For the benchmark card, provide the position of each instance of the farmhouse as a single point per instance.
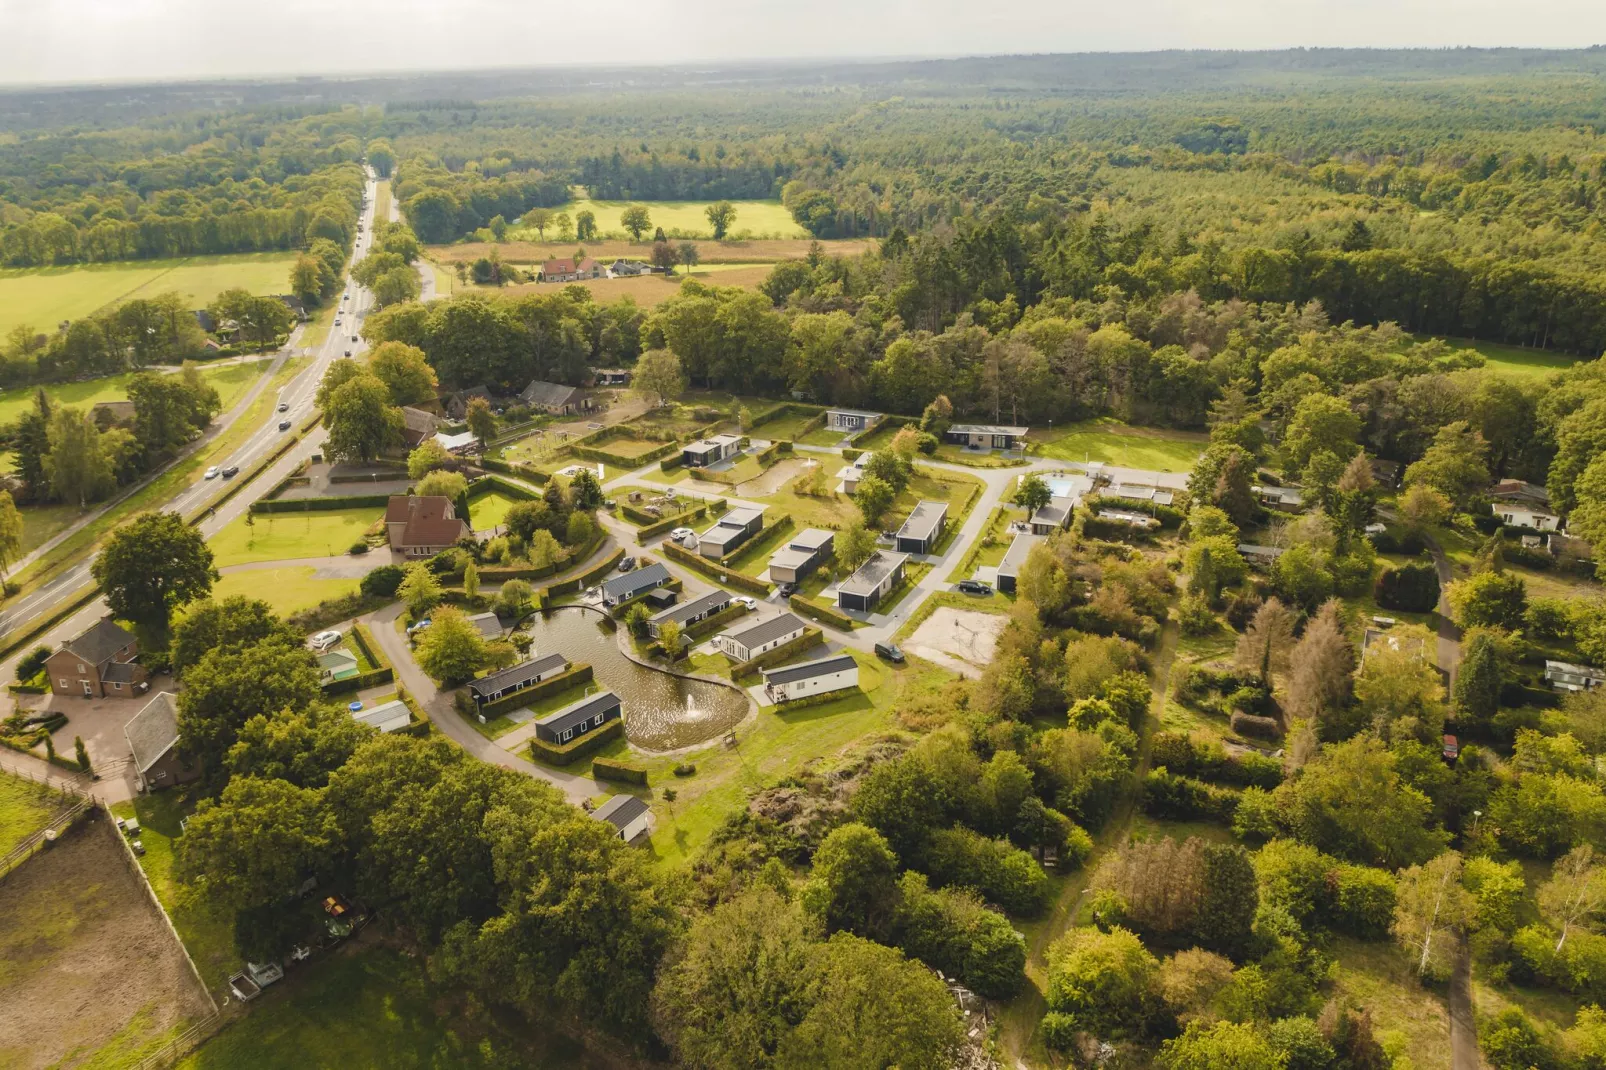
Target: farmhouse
(587, 715)
(803, 553)
(568, 269)
(554, 398)
(505, 682)
(1565, 676)
(417, 425)
(704, 452)
(387, 716)
(850, 421)
(456, 403)
(626, 813)
(985, 436)
(921, 531)
(98, 663)
(1055, 516)
(699, 608)
(1009, 568)
(422, 525)
(838, 672)
(879, 574)
(1520, 515)
(152, 739)
(760, 638)
(631, 584)
(337, 664)
(734, 528)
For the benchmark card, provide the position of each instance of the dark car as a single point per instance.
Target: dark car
(284, 425)
(348, 352)
(973, 587)
(788, 590)
(627, 564)
(231, 471)
(353, 338)
(890, 652)
(284, 406)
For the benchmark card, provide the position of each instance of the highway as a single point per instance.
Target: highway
(298, 395)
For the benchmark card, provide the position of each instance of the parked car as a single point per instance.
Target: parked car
(420, 626)
(348, 352)
(353, 338)
(284, 425)
(750, 603)
(681, 534)
(231, 471)
(324, 640)
(627, 564)
(211, 473)
(1452, 748)
(889, 652)
(788, 590)
(973, 587)
(249, 982)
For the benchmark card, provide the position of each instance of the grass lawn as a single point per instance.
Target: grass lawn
(1114, 442)
(788, 426)
(41, 522)
(288, 536)
(679, 219)
(821, 436)
(497, 727)
(833, 510)
(488, 510)
(231, 381)
(287, 590)
(754, 557)
(1409, 1020)
(24, 809)
(382, 201)
(1519, 361)
(990, 546)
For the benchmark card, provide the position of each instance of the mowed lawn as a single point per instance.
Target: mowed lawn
(24, 809)
(1519, 361)
(290, 536)
(649, 291)
(288, 590)
(489, 510)
(681, 219)
(231, 381)
(43, 297)
(1114, 442)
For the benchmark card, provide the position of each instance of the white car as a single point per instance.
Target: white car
(323, 641)
(211, 473)
(681, 534)
(750, 603)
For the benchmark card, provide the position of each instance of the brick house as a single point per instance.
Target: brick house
(567, 270)
(422, 525)
(99, 663)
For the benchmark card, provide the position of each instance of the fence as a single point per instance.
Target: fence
(55, 827)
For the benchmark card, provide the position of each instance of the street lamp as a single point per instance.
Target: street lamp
(1476, 814)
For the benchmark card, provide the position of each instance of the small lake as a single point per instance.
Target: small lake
(662, 712)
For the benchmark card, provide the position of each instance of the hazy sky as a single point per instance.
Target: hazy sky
(107, 40)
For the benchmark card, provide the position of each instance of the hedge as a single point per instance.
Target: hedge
(771, 454)
(574, 750)
(809, 638)
(485, 484)
(821, 612)
(601, 569)
(710, 625)
(625, 772)
(573, 676)
(786, 408)
(781, 523)
(669, 464)
(698, 563)
(881, 424)
(313, 505)
(1181, 798)
(523, 471)
(1210, 761)
(360, 681)
(590, 453)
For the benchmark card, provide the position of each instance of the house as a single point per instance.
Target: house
(555, 398)
(98, 663)
(851, 473)
(1565, 676)
(1520, 492)
(1009, 568)
(879, 574)
(456, 403)
(1283, 499)
(802, 554)
(337, 664)
(458, 444)
(515, 678)
(1055, 516)
(567, 269)
(1386, 474)
(1260, 556)
(734, 528)
(626, 268)
(837, 672)
(850, 421)
(489, 624)
(690, 612)
(387, 716)
(418, 425)
(297, 307)
(1519, 515)
(611, 377)
(422, 525)
(1133, 491)
(152, 739)
(627, 813)
(704, 452)
(919, 533)
(623, 588)
(985, 436)
(760, 638)
(576, 719)
(1142, 521)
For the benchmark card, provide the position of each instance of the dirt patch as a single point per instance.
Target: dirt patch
(960, 640)
(85, 951)
(774, 478)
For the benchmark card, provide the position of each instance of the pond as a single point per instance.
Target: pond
(662, 712)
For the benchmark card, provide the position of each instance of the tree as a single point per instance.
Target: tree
(361, 420)
(513, 600)
(585, 225)
(658, 375)
(686, 252)
(1422, 507)
(1214, 564)
(10, 533)
(429, 456)
(451, 649)
(81, 465)
(853, 885)
(256, 844)
(1432, 911)
(669, 638)
(936, 416)
(81, 752)
(442, 484)
(664, 256)
(1512, 1042)
(150, 566)
(419, 589)
(301, 746)
(853, 545)
(481, 420)
(471, 581)
(1478, 678)
(1265, 644)
(1032, 493)
(1320, 422)
(1106, 983)
(230, 685)
(1490, 600)
(232, 624)
(339, 374)
(584, 490)
(1350, 801)
(404, 371)
(1321, 667)
(890, 467)
(1456, 465)
(873, 497)
(721, 214)
(1575, 893)
(1220, 1045)
(636, 220)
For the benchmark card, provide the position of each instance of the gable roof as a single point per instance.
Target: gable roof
(653, 575)
(620, 811)
(547, 395)
(153, 730)
(516, 675)
(579, 712)
(427, 519)
(810, 669)
(99, 642)
(419, 421)
(768, 630)
(567, 266)
(489, 624)
(713, 600)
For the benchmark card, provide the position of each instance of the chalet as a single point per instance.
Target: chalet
(568, 269)
(802, 554)
(335, 665)
(387, 716)
(98, 663)
(627, 813)
(1015, 557)
(985, 436)
(504, 682)
(576, 719)
(1519, 514)
(851, 473)
(734, 528)
(704, 452)
(488, 624)
(1283, 499)
(422, 525)
(850, 421)
(611, 377)
(628, 268)
(153, 741)
(555, 398)
(837, 672)
(1260, 556)
(919, 533)
(418, 425)
(1565, 676)
(456, 403)
(1141, 521)
(760, 638)
(632, 585)
(692, 610)
(1055, 516)
(879, 574)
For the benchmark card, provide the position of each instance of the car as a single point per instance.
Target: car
(420, 626)
(348, 352)
(284, 425)
(324, 640)
(1452, 748)
(627, 564)
(284, 406)
(211, 473)
(353, 338)
(973, 587)
(750, 603)
(337, 321)
(231, 471)
(787, 590)
(889, 652)
(681, 534)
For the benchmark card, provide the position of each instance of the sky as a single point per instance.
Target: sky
(67, 41)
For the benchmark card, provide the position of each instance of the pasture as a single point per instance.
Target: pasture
(289, 536)
(25, 807)
(649, 291)
(489, 510)
(231, 381)
(681, 219)
(758, 251)
(1517, 361)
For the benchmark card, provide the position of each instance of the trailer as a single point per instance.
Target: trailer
(248, 983)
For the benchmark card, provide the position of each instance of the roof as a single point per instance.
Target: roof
(1249, 549)
(713, 600)
(620, 811)
(153, 730)
(118, 672)
(811, 539)
(386, 717)
(1141, 492)
(99, 642)
(419, 421)
(1567, 668)
(548, 395)
(329, 658)
(489, 624)
(427, 519)
(704, 444)
(869, 575)
(578, 712)
(515, 675)
(1015, 556)
(567, 266)
(459, 441)
(721, 535)
(790, 557)
(810, 669)
(741, 516)
(768, 631)
(1516, 488)
(1126, 516)
(652, 575)
(988, 429)
(1055, 512)
(858, 412)
(925, 520)
(1291, 495)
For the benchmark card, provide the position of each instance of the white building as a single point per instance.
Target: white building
(1565, 676)
(838, 672)
(850, 421)
(760, 638)
(625, 813)
(1522, 515)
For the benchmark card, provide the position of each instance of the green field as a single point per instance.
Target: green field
(1518, 361)
(1114, 442)
(290, 536)
(231, 380)
(43, 297)
(288, 590)
(488, 510)
(681, 219)
(24, 809)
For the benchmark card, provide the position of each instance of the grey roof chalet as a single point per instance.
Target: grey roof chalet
(1019, 549)
(810, 539)
(925, 520)
(876, 568)
(517, 675)
(809, 669)
(99, 642)
(548, 395)
(768, 630)
(1055, 512)
(578, 713)
(988, 429)
(620, 811)
(488, 624)
(153, 731)
(653, 575)
(713, 600)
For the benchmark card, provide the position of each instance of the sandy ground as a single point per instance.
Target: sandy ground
(960, 640)
(85, 957)
(774, 478)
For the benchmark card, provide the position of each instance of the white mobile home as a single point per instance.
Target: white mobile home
(748, 643)
(837, 672)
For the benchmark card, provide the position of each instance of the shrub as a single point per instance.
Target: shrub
(1106, 983)
(625, 772)
(950, 930)
(383, 581)
(358, 548)
(1365, 904)
(1247, 724)
(1182, 798)
(999, 871)
(1412, 587)
(30, 666)
(685, 769)
(1256, 816)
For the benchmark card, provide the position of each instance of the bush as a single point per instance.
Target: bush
(1411, 588)
(1246, 724)
(1181, 798)
(685, 769)
(999, 871)
(31, 665)
(950, 930)
(1256, 817)
(383, 581)
(1365, 901)
(625, 772)
(358, 548)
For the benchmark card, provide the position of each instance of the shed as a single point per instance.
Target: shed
(576, 719)
(387, 717)
(626, 813)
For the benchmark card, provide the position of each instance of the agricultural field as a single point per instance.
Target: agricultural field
(1114, 442)
(289, 536)
(680, 219)
(766, 251)
(649, 291)
(43, 297)
(287, 590)
(231, 381)
(25, 807)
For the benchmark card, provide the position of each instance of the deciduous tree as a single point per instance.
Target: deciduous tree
(152, 565)
(451, 649)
